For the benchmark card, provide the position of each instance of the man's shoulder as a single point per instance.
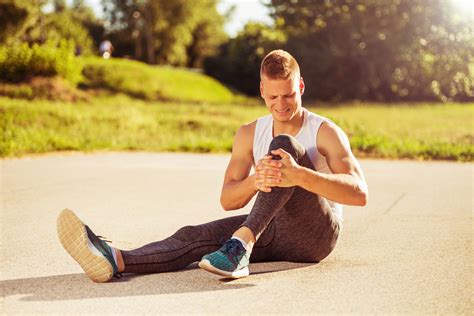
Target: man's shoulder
(330, 135)
(247, 129)
(243, 141)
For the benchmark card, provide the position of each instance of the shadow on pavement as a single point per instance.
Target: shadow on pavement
(78, 286)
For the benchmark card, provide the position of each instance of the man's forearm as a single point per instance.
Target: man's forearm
(236, 194)
(340, 188)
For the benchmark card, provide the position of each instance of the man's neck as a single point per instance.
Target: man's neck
(290, 127)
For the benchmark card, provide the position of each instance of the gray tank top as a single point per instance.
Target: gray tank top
(306, 136)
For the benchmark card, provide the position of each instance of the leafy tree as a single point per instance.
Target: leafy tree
(175, 32)
(238, 63)
(59, 5)
(53, 27)
(84, 14)
(23, 21)
(380, 50)
(16, 16)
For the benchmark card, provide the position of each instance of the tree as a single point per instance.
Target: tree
(175, 32)
(16, 16)
(238, 63)
(84, 14)
(59, 5)
(380, 50)
(24, 21)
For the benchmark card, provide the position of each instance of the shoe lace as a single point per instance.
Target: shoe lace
(232, 247)
(107, 240)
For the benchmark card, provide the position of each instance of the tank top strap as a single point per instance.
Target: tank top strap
(262, 137)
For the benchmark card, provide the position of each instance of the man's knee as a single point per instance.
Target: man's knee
(282, 140)
(286, 142)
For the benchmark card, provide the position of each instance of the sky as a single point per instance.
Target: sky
(245, 11)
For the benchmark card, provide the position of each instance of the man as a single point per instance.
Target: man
(304, 171)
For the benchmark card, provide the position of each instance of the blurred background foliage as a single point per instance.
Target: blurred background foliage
(366, 64)
(383, 50)
(377, 50)
(177, 32)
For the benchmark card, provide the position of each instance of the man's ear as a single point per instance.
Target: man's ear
(301, 85)
(261, 89)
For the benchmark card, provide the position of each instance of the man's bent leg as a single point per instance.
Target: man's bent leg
(233, 258)
(305, 229)
(268, 204)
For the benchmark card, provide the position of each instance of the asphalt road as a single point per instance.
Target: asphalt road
(409, 251)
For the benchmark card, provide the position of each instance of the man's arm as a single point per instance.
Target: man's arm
(347, 183)
(239, 188)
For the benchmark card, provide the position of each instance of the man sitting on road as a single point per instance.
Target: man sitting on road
(304, 171)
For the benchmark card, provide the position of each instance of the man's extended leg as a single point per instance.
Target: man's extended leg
(188, 245)
(303, 221)
(185, 246)
(100, 261)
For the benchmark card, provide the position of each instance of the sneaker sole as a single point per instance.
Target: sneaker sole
(73, 236)
(206, 265)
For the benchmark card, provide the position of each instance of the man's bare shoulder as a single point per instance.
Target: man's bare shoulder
(243, 140)
(248, 127)
(332, 139)
(246, 132)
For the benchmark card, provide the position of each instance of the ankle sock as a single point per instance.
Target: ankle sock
(115, 255)
(247, 247)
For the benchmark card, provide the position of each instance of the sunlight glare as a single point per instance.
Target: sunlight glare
(464, 6)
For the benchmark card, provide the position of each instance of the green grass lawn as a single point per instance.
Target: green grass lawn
(420, 131)
(154, 83)
(424, 131)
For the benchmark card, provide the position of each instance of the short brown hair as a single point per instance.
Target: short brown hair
(279, 64)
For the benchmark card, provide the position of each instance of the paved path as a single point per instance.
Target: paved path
(409, 251)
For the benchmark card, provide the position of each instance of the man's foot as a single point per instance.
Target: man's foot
(231, 261)
(94, 255)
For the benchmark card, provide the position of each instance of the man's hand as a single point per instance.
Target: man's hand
(289, 170)
(267, 173)
(276, 173)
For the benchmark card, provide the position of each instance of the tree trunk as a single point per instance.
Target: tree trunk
(150, 44)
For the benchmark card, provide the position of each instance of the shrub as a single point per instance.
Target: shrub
(20, 62)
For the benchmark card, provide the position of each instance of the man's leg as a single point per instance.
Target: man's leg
(184, 247)
(305, 228)
(101, 262)
(268, 204)
(188, 245)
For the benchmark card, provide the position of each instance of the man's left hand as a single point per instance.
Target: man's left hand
(289, 169)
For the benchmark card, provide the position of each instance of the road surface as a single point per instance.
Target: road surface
(408, 251)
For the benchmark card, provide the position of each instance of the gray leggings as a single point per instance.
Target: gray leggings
(292, 224)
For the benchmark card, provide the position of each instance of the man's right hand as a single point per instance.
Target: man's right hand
(267, 173)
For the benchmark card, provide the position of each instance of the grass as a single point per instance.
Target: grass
(160, 83)
(423, 131)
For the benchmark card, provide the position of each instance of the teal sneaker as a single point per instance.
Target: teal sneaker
(231, 260)
(92, 253)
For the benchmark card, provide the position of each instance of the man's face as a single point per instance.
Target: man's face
(282, 97)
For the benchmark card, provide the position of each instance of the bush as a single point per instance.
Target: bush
(51, 88)
(20, 62)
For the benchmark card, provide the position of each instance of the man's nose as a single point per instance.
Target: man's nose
(280, 101)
